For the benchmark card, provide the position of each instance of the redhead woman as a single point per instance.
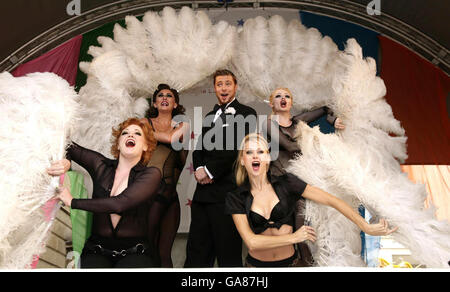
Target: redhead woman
(263, 208)
(122, 191)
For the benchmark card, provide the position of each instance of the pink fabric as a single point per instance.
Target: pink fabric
(62, 61)
(35, 262)
(48, 209)
(437, 182)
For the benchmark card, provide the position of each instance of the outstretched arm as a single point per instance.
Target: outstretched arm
(319, 196)
(140, 191)
(88, 159)
(315, 114)
(175, 135)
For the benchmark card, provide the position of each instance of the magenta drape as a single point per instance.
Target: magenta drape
(62, 61)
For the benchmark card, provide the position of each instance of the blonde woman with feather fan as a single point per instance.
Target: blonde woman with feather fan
(263, 208)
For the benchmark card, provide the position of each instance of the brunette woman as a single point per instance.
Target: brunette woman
(170, 129)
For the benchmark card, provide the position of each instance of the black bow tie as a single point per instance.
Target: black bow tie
(216, 107)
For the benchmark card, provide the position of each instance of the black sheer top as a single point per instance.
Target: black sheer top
(287, 144)
(287, 187)
(132, 204)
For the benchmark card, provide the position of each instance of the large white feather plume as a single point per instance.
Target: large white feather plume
(177, 48)
(361, 164)
(38, 113)
(272, 53)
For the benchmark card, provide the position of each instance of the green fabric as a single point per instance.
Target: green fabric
(81, 220)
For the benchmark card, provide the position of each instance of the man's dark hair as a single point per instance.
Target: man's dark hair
(224, 72)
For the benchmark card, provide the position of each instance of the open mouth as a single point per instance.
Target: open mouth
(130, 143)
(283, 103)
(164, 103)
(256, 165)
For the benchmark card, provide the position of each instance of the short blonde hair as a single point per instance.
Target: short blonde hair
(272, 95)
(239, 170)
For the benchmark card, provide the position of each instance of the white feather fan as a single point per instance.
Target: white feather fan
(38, 113)
(271, 53)
(361, 164)
(177, 48)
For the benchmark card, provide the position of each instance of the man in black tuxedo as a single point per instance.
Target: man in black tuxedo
(212, 233)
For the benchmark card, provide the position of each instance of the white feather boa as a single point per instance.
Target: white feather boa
(38, 112)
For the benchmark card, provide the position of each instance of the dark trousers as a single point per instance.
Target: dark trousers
(212, 235)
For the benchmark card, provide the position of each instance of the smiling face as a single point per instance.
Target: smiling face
(132, 142)
(255, 158)
(225, 88)
(281, 101)
(165, 101)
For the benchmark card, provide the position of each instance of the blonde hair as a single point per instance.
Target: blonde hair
(272, 95)
(239, 170)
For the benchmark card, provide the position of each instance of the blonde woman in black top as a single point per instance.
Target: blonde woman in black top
(263, 208)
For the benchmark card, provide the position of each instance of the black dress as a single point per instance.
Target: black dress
(132, 205)
(165, 211)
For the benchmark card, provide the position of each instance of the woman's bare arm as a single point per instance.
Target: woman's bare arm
(319, 196)
(261, 242)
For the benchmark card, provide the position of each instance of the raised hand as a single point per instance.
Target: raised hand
(59, 167)
(338, 124)
(305, 233)
(379, 229)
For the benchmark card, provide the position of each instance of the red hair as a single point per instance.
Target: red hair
(148, 136)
